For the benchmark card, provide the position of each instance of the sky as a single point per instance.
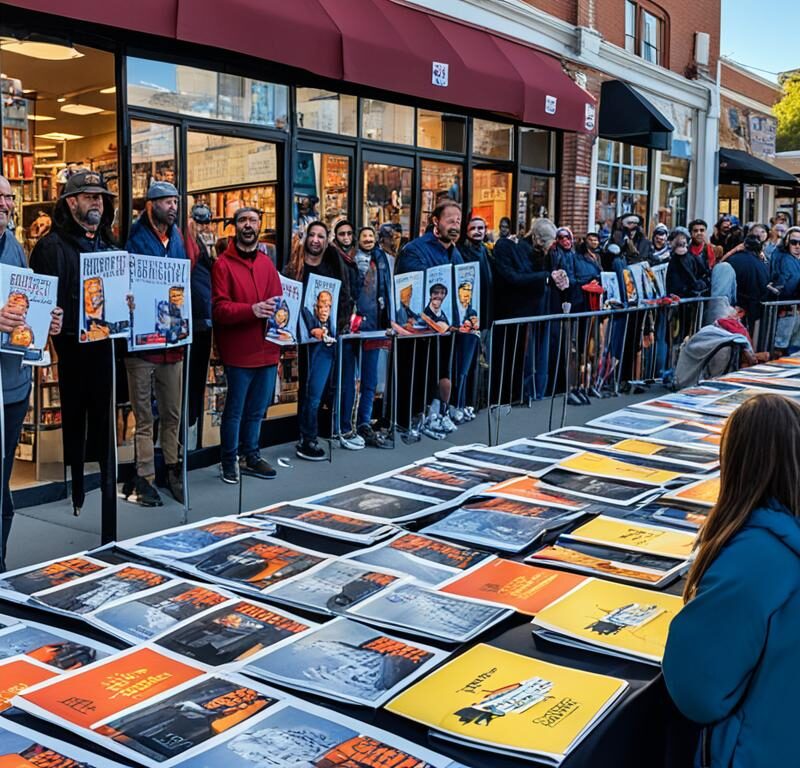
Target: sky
(762, 35)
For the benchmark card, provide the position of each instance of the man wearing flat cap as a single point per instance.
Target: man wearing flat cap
(82, 224)
(155, 233)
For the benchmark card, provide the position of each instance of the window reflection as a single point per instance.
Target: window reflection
(490, 139)
(382, 121)
(491, 197)
(438, 181)
(387, 195)
(321, 183)
(328, 111)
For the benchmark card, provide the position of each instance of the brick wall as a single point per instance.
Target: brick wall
(753, 88)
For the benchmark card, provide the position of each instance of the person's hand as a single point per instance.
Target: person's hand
(56, 321)
(318, 333)
(10, 318)
(130, 301)
(272, 305)
(264, 309)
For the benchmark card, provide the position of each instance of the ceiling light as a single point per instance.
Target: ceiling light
(80, 109)
(40, 118)
(28, 90)
(45, 146)
(61, 100)
(49, 165)
(47, 51)
(112, 89)
(58, 136)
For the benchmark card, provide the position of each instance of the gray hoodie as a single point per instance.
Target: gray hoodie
(16, 376)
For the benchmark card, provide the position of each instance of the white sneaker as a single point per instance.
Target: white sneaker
(469, 413)
(432, 427)
(352, 441)
(456, 415)
(447, 424)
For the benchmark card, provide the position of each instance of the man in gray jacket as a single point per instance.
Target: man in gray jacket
(16, 377)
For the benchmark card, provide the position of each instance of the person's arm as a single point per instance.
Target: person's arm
(409, 260)
(508, 270)
(225, 309)
(716, 641)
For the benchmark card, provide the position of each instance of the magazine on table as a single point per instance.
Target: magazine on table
(614, 468)
(689, 434)
(428, 473)
(282, 326)
(20, 672)
(18, 585)
(599, 489)
(409, 301)
(508, 703)
(333, 587)
(347, 661)
(537, 449)
(162, 302)
(104, 311)
(467, 285)
(392, 482)
(425, 612)
(691, 518)
(635, 536)
(318, 316)
(702, 493)
(34, 297)
(609, 618)
(628, 420)
(21, 746)
(53, 646)
(323, 523)
(532, 490)
(481, 456)
(629, 566)
(525, 588)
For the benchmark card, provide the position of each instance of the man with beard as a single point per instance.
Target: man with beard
(81, 224)
(245, 292)
(631, 239)
(313, 255)
(155, 233)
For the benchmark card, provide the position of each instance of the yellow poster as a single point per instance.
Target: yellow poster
(704, 493)
(641, 447)
(636, 536)
(503, 699)
(627, 621)
(604, 466)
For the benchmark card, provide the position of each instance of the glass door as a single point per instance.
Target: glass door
(491, 197)
(388, 186)
(154, 152)
(534, 199)
(438, 181)
(322, 189)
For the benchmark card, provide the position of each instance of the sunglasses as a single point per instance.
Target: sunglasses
(794, 242)
(565, 237)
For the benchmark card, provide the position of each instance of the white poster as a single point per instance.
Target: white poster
(468, 296)
(610, 284)
(409, 302)
(438, 298)
(319, 309)
(282, 326)
(105, 284)
(34, 297)
(161, 299)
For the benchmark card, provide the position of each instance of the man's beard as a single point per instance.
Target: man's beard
(91, 218)
(311, 252)
(247, 237)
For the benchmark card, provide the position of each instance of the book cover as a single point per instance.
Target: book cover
(105, 284)
(282, 326)
(439, 304)
(595, 464)
(610, 283)
(374, 504)
(18, 673)
(639, 537)
(36, 578)
(630, 421)
(494, 458)
(530, 489)
(599, 489)
(318, 314)
(323, 522)
(34, 297)
(703, 493)
(409, 301)
(467, 279)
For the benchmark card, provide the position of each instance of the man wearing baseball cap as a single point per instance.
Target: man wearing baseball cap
(155, 233)
(82, 224)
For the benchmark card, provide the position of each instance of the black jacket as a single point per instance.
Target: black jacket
(752, 277)
(201, 289)
(520, 280)
(686, 276)
(481, 254)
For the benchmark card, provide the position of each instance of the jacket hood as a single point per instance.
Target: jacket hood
(776, 519)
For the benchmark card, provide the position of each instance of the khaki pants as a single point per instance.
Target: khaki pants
(166, 379)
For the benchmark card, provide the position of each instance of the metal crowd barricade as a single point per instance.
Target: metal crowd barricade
(778, 329)
(550, 356)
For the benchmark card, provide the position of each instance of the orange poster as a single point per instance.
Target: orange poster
(17, 674)
(525, 588)
(531, 489)
(106, 688)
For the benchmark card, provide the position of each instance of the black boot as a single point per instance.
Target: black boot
(175, 481)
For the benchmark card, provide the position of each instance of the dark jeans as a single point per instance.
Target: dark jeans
(13, 416)
(198, 375)
(250, 392)
(467, 346)
(352, 366)
(321, 360)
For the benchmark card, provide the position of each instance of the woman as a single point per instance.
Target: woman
(784, 274)
(686, 276)
(731, 659)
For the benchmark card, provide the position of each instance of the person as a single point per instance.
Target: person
(473, 249)
(591, 246)
(389, 238)
(245, 293)
(314, 255)
(781, 217)
(660, 250)
(200, 249)
(504, 229)
(774, 240)
(729, 661)
(631, 239)
(785, 280)
(306, 214)
(156, 233)
(344, 241)
(700, 247)
(722, 230)
(16, 377)
(82, 220)
(370, 282)
(686, 273)
(436, 247)
(752, 278)
(759, 232)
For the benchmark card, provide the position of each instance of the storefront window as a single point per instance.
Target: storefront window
(439, 181)
(535, 199)
(203, 93)
(387, 196)
(321, 183)
(491, 197)
(437, 130)
(328, 111)
(534, 148)
(621, 182)
(152, 159)
(383, 121)
(674, 191)
(729, 200)
(493, 140)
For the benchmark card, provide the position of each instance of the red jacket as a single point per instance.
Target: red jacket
(237, 284)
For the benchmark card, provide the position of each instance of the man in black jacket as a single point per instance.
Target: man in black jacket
(81, 224)
(752, 278)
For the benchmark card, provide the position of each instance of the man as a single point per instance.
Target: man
(82, 224)
(155, 233)
(436, 247)
(434, 310)
(16, 376)
(389, 239)
(504, 229)
(245, 293)
(699, 246)
(752, 278)
(474, 249)
(722, 231)
(306, 214)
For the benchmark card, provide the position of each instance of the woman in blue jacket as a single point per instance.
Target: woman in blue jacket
(784, 275)
(732, 662)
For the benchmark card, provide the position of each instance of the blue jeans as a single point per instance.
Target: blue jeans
(321, 360)
(467, 345)
(367, 367)
(13, 416)
(250, 392)
(537, 363)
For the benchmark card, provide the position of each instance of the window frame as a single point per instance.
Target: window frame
(636, 42)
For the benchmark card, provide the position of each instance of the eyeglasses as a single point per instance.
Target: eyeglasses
(346, 232)
(794, 243)
(565, 237)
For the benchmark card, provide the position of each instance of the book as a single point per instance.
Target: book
(18, 673)
(409, 301)
(346, 661)
(431, 473)
(281, 328)
(598, 488)
(525, 588)
(438, 298)
(467, 279)
(318, 316)
(531, 489)
(504, 702)
(19, 584)
(609, 618)
(597, 465)
(34, 297)
(686, 518)
(702, 493)
(638, 537)
(104, 312)
(480, 456)
(627, 420)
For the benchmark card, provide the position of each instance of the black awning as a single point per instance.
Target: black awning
(735, 165)
(626, 115)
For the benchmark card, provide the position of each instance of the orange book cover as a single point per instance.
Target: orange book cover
(525, 588)
(17, 674)
(109, 687)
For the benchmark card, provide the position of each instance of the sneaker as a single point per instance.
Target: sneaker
(373, 438)
(128, 487)
(432, 427)
(456, 415)
(257, 466)
(469, 413)
(352, 441)
(310, 450)
(229, 471)
(447, 424)
(175, 482)
(145, 494)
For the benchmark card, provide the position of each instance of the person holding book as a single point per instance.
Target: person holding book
(730, 662)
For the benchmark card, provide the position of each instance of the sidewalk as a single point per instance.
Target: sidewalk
(50, 530)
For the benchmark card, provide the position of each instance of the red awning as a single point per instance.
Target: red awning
(376, 43)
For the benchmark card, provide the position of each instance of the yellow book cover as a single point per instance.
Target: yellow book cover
(604, 466)
(618, 618)
(636, 536)
(704, 493)
(511, 702)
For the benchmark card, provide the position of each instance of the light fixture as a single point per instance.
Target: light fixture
(57, 164)
(45, 146)
(58, 136)
(80, 109)
(46, 51)
(28, 90)
(60, 99)
(112, 89)
(40, 118)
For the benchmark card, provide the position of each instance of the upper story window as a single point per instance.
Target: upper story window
(644, 33)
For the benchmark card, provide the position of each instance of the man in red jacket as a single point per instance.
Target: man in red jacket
(245, 291)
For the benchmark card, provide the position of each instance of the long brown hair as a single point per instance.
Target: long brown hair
(759, 460)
